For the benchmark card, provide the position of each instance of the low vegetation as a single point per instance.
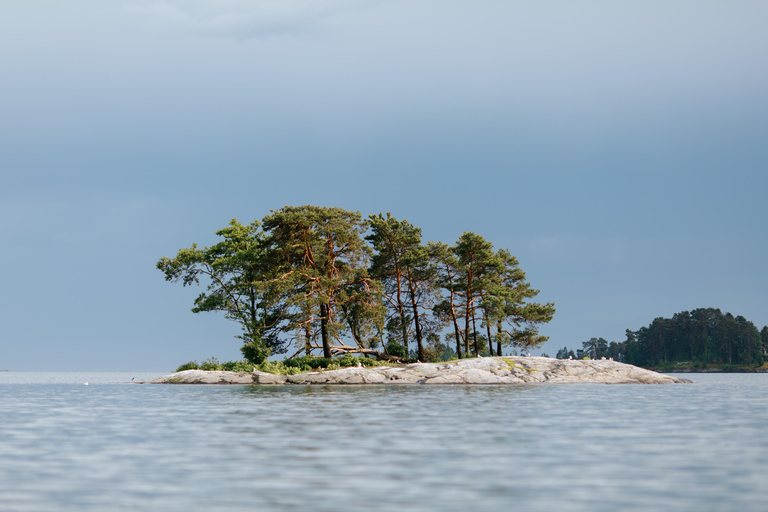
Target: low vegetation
(287, 367)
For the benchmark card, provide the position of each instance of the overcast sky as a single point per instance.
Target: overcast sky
(618, 149)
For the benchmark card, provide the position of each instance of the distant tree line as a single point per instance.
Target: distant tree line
(312, 278)
(701, 336)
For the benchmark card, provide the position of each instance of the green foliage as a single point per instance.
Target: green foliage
(278, 368)
(237, 366)
(402, 264)
(348, 360)
(396, 349)
(192, 365)
(483, 288)
(211, 364)
(705, 334)
(308, 364)
(697, 339)
(235, 271)
(255, 352)
(320, 261)
(287, 367)
(439, 350)
(373, 362)
(314, 276)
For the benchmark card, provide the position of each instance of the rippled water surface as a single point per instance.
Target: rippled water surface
(113, 445)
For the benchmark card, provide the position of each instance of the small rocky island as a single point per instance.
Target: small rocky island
(484, 370)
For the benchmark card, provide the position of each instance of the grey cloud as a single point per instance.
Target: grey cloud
(239, 19)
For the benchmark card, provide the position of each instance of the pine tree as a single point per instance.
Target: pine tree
(235, 270)
(447, 278)
(320, 262)
(401, 263)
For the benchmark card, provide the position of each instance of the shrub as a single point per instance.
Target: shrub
(347, 360)
(288, 367)
(396, 349)
(237, 366)
(192, 365)
(373, 362)
(211, 364)
(255, 352)
(308, 362)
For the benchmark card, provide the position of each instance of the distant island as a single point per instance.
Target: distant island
(704, 339)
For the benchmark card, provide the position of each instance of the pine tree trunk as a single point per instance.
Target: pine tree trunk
(401, 310)
(456, 328)
(404, 327)
(468, 300)
(419, 341)
(466, 333)
(458, 338)
(324, 309)
(498, 338)
(490, 341)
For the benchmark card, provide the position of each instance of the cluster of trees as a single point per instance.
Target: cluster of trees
(704, 335)
(325, 278)
(595, 348)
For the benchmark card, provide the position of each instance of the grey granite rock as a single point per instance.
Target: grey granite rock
(204, 377)
(484, 370)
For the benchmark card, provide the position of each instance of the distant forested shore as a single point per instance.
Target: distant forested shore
(699, 340)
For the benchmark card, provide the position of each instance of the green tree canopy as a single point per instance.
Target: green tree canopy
(233, 271)
(402, 265)
(318, 277)
(320, 263)
(701, 336)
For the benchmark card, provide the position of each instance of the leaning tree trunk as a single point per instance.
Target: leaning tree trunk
(419, 342)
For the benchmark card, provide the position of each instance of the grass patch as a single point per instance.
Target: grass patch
(511, 363)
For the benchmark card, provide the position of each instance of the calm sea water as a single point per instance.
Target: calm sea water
(116, 446)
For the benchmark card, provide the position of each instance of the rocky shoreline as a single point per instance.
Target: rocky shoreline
(485, 370)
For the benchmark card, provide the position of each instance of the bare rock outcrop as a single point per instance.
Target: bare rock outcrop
(484, 370)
